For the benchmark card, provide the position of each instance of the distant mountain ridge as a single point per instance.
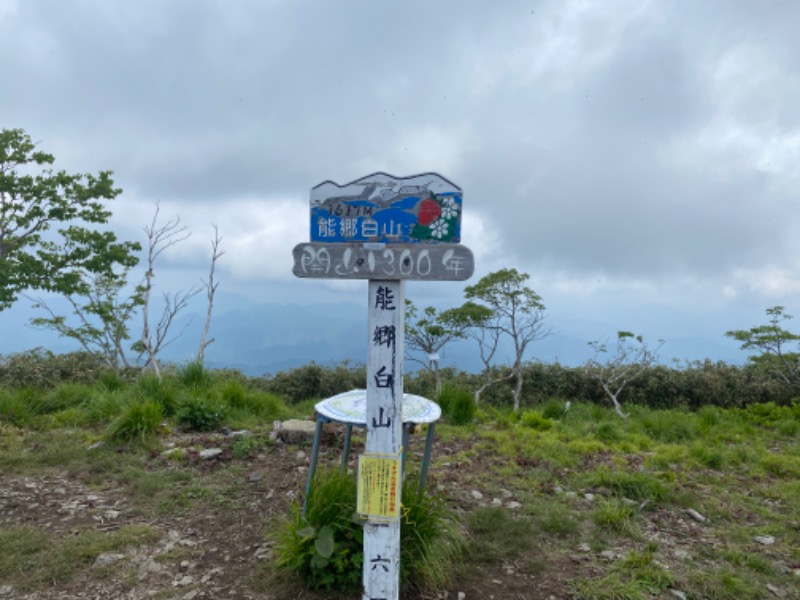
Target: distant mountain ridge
(267, 338)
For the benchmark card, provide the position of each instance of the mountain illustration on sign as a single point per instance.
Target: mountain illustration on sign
(383, 208)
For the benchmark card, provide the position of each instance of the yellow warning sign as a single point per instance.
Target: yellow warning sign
(379, 486)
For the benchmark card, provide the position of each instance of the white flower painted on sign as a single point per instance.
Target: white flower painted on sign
(449, 208)
(439, 228)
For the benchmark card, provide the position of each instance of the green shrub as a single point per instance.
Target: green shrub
(103, 406)
(668, 426)
(709, 416)
(767, 413)
(534, 420)
(150, 387)
(43, 369)
(15, 407)
(66, 395)
(314, 381)
(608, 432)
(111, 381)
(632, 485)
(199, 414)
(233, 394)
(194, 375)
(708, 456)
(554, 409)
(326, 547)
(614, 515)
(139, 422)
(458, 405)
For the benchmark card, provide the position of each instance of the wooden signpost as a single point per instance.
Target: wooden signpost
(387, 230)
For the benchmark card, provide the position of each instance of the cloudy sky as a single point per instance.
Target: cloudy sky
(638, 159)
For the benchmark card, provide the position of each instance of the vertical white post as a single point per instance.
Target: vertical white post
(386, 324)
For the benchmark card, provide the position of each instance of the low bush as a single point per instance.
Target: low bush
(138, 423)
(457, 404)
(199, 414)
(325, 548)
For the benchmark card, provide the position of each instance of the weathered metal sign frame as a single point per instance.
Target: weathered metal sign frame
(423, 208)
(442, 262)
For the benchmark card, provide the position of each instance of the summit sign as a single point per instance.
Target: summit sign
(388, 228)
(381, 208)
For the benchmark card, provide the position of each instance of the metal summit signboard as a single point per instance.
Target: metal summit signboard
(386, 227)
(382, 208)
(387, 230)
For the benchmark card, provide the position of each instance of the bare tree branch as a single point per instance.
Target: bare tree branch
(159, 238)
(631, 358)
(211, 288)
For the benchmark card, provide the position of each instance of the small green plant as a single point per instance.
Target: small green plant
(194, 375)
(615, 516)
(554, 518)
(326, 547)
(535, 420)
(199, 414)
(608, 432)
(111, 380)
(243, 447)
(631, 485)
(150, 387)
(708, 456)
(139, 422)
(669, 426)
(234, 394)
(458, 405)
(497, 535)
(643, 568)
(15, 407)
(609, 587)
(102, 406)
(555, 409)
(66, 395)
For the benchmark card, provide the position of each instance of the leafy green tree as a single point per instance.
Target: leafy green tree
(432, 330)
(101, 318)
(515, 312)
(776, 346)
(50, 224)
(631, 357)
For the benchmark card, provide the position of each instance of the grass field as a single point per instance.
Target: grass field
(551, 503)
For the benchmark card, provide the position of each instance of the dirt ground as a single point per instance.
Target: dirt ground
(221, 549)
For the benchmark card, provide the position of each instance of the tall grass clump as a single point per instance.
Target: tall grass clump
(244, 403)
(670, 426)
(16, 407)
(162, 391)
(138, 423)
(631, 485)
(66, 395)
(325, 549)
(194, 375)
(199, 413)
(457, 404)
(431, 544)
(103, 406)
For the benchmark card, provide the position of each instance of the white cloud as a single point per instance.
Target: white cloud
(559, 44)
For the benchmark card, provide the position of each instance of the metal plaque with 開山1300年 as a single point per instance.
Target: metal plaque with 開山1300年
(440, 262)
(383, 208)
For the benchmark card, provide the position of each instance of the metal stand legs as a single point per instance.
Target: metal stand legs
(312, 468)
